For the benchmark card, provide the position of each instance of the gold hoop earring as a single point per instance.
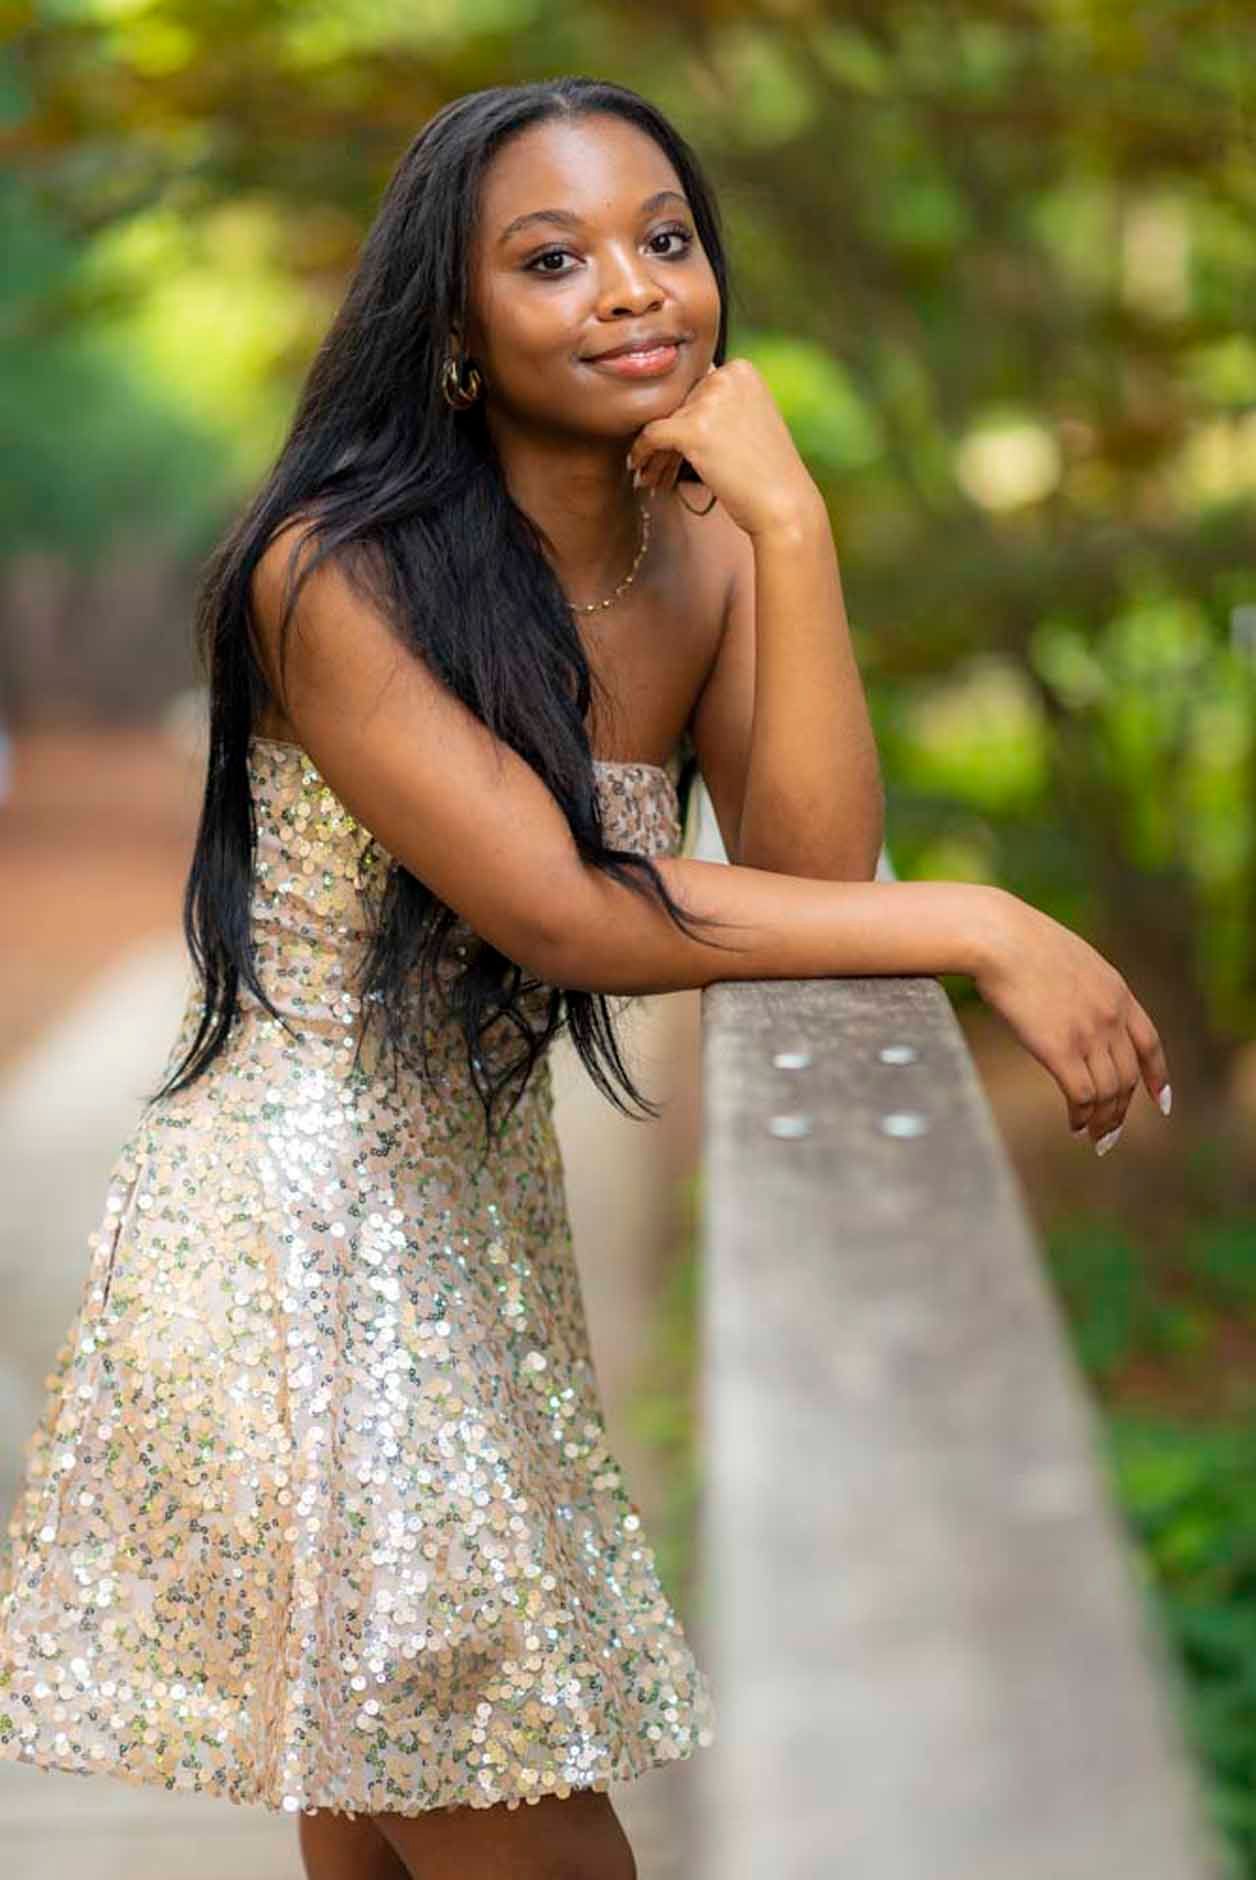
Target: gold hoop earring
(689, 506)
(456, 393)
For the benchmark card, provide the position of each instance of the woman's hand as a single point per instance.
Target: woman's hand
(1075, 1014)
(730, 429)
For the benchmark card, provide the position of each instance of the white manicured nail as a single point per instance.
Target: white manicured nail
(1165, 1099)
(1109, 1141)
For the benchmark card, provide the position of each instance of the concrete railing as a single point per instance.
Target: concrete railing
(931, 1651)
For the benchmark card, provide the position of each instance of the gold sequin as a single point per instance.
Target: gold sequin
(320, 1511)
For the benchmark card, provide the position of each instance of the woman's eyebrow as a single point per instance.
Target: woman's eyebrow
(567, 219)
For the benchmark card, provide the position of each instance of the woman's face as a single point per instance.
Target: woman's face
(624, 264)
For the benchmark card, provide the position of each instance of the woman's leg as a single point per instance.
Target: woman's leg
(346, 1847)
(569, 1837)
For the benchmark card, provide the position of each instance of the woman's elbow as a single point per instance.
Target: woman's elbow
(553, 942)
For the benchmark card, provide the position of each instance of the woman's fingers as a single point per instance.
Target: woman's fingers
(1080, 1093)
(1106, 1115)
(1153, 1064)
(1131, 1054)
(1090, 1100)
(660, 470)
(1124, 1060)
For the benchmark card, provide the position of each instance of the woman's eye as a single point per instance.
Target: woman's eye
(685, 236)
(534, 267)
(683, 233)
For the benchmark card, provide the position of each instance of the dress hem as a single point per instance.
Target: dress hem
(628, 1769)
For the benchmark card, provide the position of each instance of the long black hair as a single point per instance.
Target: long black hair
(409, 494)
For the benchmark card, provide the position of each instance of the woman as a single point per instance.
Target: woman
(321, 1513)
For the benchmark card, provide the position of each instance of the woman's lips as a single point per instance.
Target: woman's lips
(639, 365)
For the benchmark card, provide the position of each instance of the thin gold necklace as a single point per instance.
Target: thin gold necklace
(592, 607)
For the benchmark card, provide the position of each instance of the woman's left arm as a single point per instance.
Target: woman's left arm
(781, 730)
(813, 801)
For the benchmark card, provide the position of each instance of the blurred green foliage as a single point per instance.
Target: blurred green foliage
(1189, 1500)
(662, 1411)
(1153, 1329)
(1116, 1308)
(996, 262)
(91, 442)
(1174, 1326)
(1184, 1311)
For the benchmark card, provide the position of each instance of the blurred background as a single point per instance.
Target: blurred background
(998, 265)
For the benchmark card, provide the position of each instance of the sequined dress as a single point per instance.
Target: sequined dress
(320, 1511)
